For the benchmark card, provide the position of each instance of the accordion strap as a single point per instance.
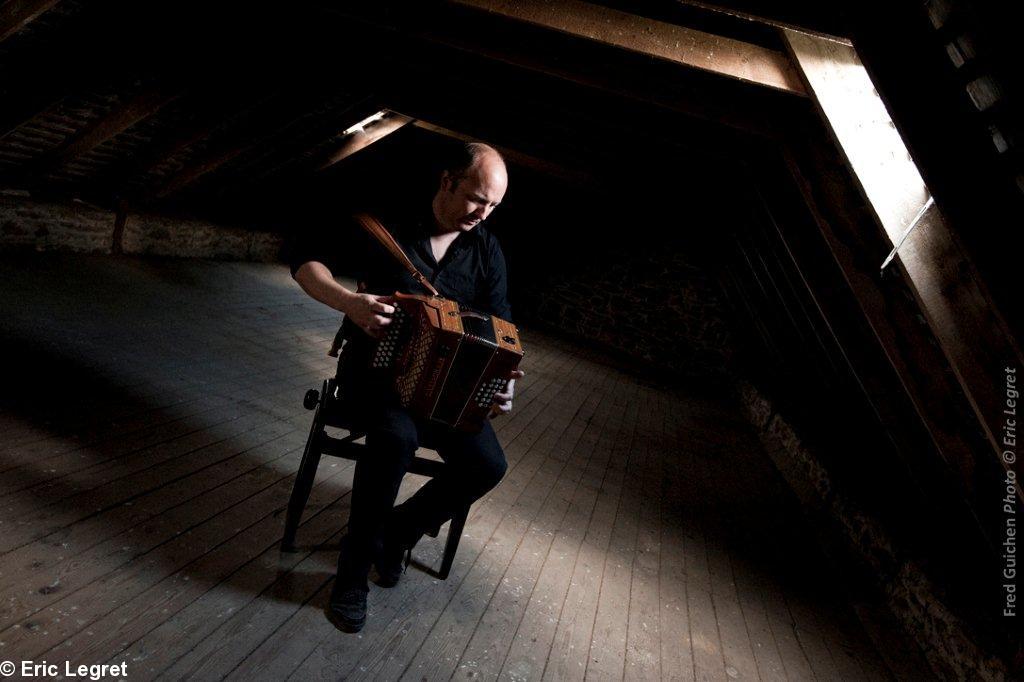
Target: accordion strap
(381, 234)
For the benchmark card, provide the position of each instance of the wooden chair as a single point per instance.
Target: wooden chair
(328, 411)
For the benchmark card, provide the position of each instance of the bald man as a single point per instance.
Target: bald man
(450, 245)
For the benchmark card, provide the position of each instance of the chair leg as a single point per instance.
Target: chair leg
(303, 482)
(451, 545)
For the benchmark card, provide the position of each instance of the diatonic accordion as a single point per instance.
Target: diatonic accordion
(446, 361)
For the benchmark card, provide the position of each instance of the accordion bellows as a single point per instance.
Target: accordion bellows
(447, 362)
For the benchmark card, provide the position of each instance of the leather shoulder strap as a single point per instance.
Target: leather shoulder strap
(381, 234)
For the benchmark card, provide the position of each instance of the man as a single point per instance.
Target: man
(464, 262)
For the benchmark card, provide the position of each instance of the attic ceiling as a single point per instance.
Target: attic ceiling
(184, 107)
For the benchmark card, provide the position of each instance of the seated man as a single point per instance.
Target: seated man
(464, 262)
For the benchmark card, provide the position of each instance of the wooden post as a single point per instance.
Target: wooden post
(117, 238)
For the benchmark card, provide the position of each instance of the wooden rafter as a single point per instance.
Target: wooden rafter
(304, 150)
(950, 292)
(248, 134)
(574, 176)
(576, 136)
(361, 139)
(319, 126)
(17, 14)
(817, 18)
(80, 58)
(121, 118)
(490, 45)
(658, 39)
(858, 339)
(194, 171)
(199, 130)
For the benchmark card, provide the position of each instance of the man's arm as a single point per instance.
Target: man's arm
(497, 282)
(369, 312)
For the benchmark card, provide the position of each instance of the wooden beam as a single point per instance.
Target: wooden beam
(593, 143)
(860, 125)
(813, 17)
(668, 42)
(245, 135)
(84, 54)
(89, 53)
(723, 113)
(574, 126)
(943, 130)
(305, 147)
(198, 169)
(201, 128)
(141, 106)
(900, 384)
(120, 220)
(950, 293)
(571, 175)
(17, 14)
(362, 138)
(319, 126)
(543, 139)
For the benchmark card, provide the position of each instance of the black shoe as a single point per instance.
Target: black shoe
(389, 564)
(347, 609)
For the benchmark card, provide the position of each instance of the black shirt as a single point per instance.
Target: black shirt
(472, 272)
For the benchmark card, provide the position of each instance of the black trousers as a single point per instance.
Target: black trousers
(475, 463)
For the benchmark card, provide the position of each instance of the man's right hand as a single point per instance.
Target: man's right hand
(371, 313)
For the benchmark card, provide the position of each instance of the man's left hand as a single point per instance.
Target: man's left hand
(503, 401)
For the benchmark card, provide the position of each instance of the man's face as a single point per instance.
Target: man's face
(464, 203)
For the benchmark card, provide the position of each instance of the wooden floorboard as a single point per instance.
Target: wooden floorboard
(531, 640)
(409, 637)
(492, 637)
(643, 631)
(570, 649)
(279, 656)
(149, 447)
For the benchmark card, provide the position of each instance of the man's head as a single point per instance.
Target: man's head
(471, 187)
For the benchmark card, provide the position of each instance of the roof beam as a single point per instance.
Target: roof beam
(668, 42)
(244, 136)
(817, 18)
(87, 53)
(200, 129)
(537, 60)
(363, 137)
(574, 127)
(573, 176)
(948, 288)
(211, 162)
(321, 125)
(121, 118)
(17, 14)
(306, 150)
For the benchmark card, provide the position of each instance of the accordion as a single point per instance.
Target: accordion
(447, 362)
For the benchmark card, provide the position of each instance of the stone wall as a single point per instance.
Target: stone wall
(30, 225)
(946, 641)
(26, 224)
(654, 307)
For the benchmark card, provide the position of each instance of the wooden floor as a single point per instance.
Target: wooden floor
(152, 425)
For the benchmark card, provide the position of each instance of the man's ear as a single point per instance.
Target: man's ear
(448, 182)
